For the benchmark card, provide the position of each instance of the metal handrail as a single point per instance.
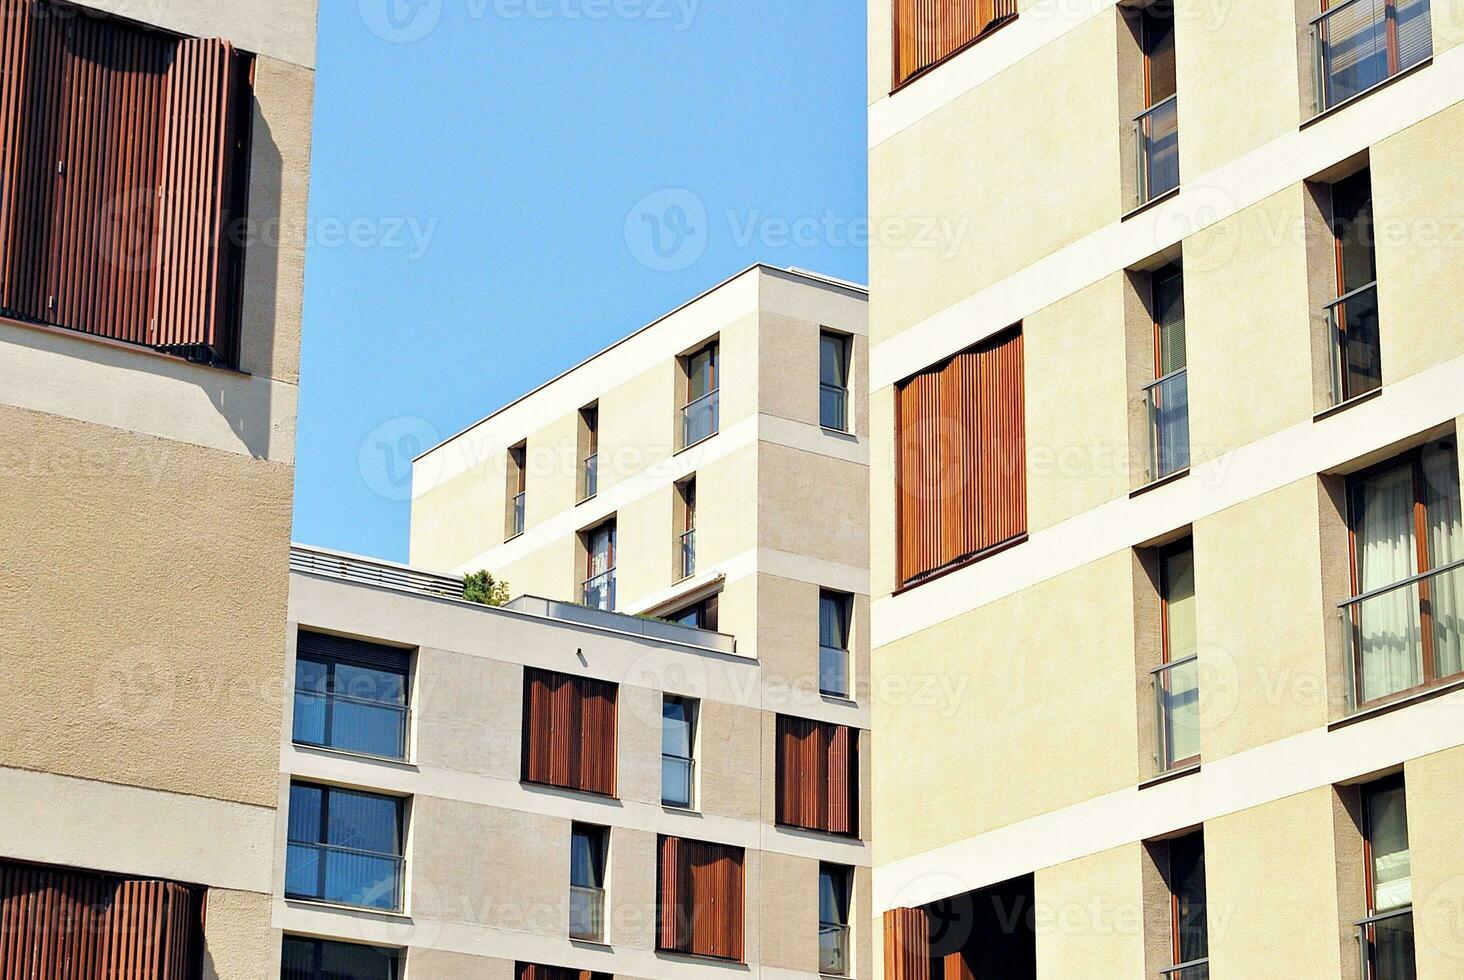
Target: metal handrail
(1363, 925)
(1372, 920)
(397, 862)
(1175, 663)
(690, 764)
(1411, 580)
(1164, 102)
(403, 712)
(713, 423)
(1163, 722)
(1181, 967)
(353, 699)
(595, 906)
(592, 475)
(372, 571)
(1167, 378)
(842, 392)
(1352, 294)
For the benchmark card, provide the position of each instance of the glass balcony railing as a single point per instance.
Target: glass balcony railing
(1156, 139)
(833, 671)
(1168, 410)
(676, 780)
(1356, 359)
(1193, 970)
(833, 949)
(343, 876)
(599, 591)
(1177, 713)
(350, 724)
(699, 419)
(518, 513)
(1404, 636)
(591, 476)
(833, 407)
(587, 912)
(1385, 946)
(688, 553)
(1360, 44)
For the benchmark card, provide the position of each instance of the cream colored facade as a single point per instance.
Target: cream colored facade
(1037, 758)
(145, 522)
(487, 855)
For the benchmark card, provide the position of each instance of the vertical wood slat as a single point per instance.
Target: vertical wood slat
(61, 924)
(906, 944)
(569, 731)
(539, 971)
(961, 457)
(927, 32)
(700, 896)
(817, 775)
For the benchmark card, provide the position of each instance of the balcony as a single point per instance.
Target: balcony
(598, 591)
(591, 476)
(833, 407)
(1385, 946)
(346, 723)
(343, 876)
(1405, 636)
(1168, 419)
(699, 419)
(833, 949)
(518, 514)
(1359, 44)
(1177, 713)
(1156, 141)
(833, 671)
(1193, 970)
(587, 913)
(677, 772)
(1355, 349)
(688, 552)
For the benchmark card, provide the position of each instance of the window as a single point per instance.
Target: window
(699, 895)
(1184, 875)
(344, 847)
(319, 959)
(1403, 627)
(678, 751)
(1385, 936)
(686, 552)
(817, 775)
(927, 34)
(517, 488)
(1177, 681)
(700, 615)
(569, 731)
(599, 584)
(700, 411)
(69, 923)
(833, 642)
(1360, 44)
(834, 889)
(1168, 394)
(833, 381)
(1156, 128)
(1352, 318)
(590, 461)
(987, 933)
(350, 695)
(588, 847)
(961, 464)
(159, 261)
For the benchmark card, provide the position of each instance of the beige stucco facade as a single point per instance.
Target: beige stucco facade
(145, 521)
(1034, 753)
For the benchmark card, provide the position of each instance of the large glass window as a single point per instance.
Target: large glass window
(1355, 354)
(699, 417)
(344, 846)
(833, 642)
(687, 541)
(588, 848)
(1188, 918)
(1177, 682)
(1156, 128)
(1386, 935)
(1360, 44)
(319, 959)
(678, 746)
(350, 695)
(1168, 393)
(599, 586)
(834, 888)
(590, 465)
(833, 378)
(1403, 626)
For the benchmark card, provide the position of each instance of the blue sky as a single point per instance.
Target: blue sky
(502, 187)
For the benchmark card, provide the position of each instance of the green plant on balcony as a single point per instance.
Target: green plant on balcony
(482, 587)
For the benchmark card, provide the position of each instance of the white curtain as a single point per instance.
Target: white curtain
(1445, 545)
(1392, 656)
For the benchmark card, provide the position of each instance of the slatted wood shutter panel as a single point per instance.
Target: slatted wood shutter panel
(700, 898)
(906, 945)
(124, 172)
(538, 971)
(59, 924)
(569, 736)
(929, 31)
(817, 775)
(961, 465)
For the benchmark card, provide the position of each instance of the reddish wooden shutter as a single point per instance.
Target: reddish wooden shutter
(569, 734)
(961, 457)
(929, 31)
(124, 168)
(906, 945)
(817, 775)
(538, 971)
(700, 900)
(62, 923)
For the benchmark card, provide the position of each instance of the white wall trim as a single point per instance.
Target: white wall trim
(1261, 775)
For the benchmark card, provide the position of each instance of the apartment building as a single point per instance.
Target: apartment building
(550, 790)
(1165, 489)
(154, 161)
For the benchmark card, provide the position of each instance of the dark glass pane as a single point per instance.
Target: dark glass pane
(1390, 949)
(1386, 812)
(676, 728)
(833, 626)
(1352, 223)
(1187, 884)
(1159, 51)
(305, 808)
(370, 683)
(297, 959)
(1169, 316)
(833, 361)
(348, 961)
(587, 857)
(833, 894)
(364, 821)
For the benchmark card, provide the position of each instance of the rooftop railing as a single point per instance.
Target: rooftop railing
(374, 571)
